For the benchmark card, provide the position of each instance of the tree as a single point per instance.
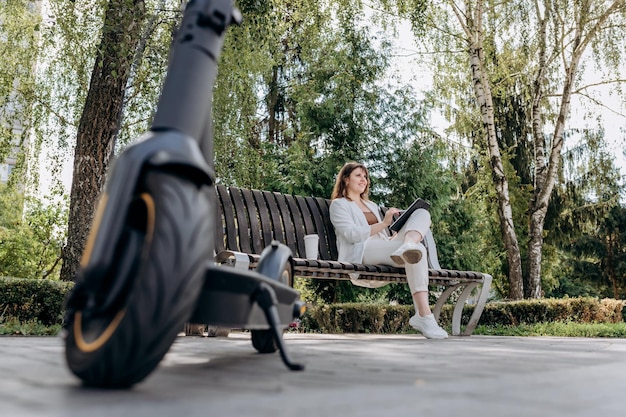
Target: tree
(585, 221)
(588, 24)
(473, 38)
(597, 258)
(299, 93)
(504, 42)
(99, 121)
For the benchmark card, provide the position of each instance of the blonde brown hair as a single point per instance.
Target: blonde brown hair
(340, 189)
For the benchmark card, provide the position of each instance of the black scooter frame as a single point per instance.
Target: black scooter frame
(181, 142)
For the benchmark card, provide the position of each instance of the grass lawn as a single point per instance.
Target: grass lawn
(560, 329)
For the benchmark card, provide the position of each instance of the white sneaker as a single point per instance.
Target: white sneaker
(409, 252)
(428, 326)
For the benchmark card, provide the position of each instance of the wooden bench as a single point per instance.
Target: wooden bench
(252, 219)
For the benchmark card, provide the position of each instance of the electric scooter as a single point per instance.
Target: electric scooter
(148, 265)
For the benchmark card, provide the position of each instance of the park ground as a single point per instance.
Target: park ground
(346, 375)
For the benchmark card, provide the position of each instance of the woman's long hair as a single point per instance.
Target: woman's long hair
(340, 189)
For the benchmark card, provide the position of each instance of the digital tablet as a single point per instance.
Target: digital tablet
(405, 214)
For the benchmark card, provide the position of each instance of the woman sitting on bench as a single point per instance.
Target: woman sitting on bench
(362, 237)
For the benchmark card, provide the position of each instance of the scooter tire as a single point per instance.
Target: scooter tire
(263, 339)
(169, 232)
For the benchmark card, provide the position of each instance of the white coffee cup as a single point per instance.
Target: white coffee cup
(311, 243)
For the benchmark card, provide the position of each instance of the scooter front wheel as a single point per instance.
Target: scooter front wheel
(161, 258)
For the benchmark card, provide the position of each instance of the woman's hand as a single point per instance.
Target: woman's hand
(389, 216)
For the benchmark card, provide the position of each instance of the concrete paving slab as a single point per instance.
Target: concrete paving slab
(346, 375)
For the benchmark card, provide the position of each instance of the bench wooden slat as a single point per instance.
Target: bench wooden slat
(324, 252)
(298, 223)
(287, 222)
(264, 215)
(307, 216)
(329, 229)
(229, 218)
(255, 226)
(243, 224)
(277, 224)
(219, 223)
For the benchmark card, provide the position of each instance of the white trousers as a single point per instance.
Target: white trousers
(378, 250)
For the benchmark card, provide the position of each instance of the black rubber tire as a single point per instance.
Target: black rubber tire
(263, 339)
(121, 348)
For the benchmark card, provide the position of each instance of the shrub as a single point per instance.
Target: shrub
(581, 310)
(41, 301)
(382, 318)
(357, 318)
(33, 300)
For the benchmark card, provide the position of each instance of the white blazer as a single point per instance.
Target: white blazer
(352, 231)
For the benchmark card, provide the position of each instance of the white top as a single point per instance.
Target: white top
(352, 229)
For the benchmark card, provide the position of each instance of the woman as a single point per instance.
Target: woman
(362, 237)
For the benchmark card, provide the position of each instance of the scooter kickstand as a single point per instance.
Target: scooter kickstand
(265, 296)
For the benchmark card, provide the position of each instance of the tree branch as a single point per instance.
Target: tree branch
(604, 82)
(462, 18)
(598, 103)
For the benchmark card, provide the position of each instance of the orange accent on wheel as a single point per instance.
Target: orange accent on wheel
(85, 346)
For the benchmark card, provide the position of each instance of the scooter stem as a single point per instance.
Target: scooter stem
(186, 98)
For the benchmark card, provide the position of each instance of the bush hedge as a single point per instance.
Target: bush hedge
(580, 310)
(381, 318)
(33, 300)
(41, 300)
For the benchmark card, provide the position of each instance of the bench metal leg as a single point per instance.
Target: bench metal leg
(442, 300)
(480, 305)
(458, 308)
(457, 314)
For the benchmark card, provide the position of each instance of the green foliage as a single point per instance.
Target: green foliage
(67, 46)
(596, 258)
(30, 235)
(555, 329)
(19, 28)
(68, 43)
(33, 300)
(299, 94)
(357, 318)
(148, 69)
(586, 221)
(512, 62)
(510, 317)
(582, 310)
(14, 327)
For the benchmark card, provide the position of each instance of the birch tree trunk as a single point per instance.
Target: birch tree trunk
(472, 25)
(95, 140)
(587, 26)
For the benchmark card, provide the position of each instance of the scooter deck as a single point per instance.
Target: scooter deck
(227, 299)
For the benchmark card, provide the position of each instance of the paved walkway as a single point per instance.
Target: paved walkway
(346, 375)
